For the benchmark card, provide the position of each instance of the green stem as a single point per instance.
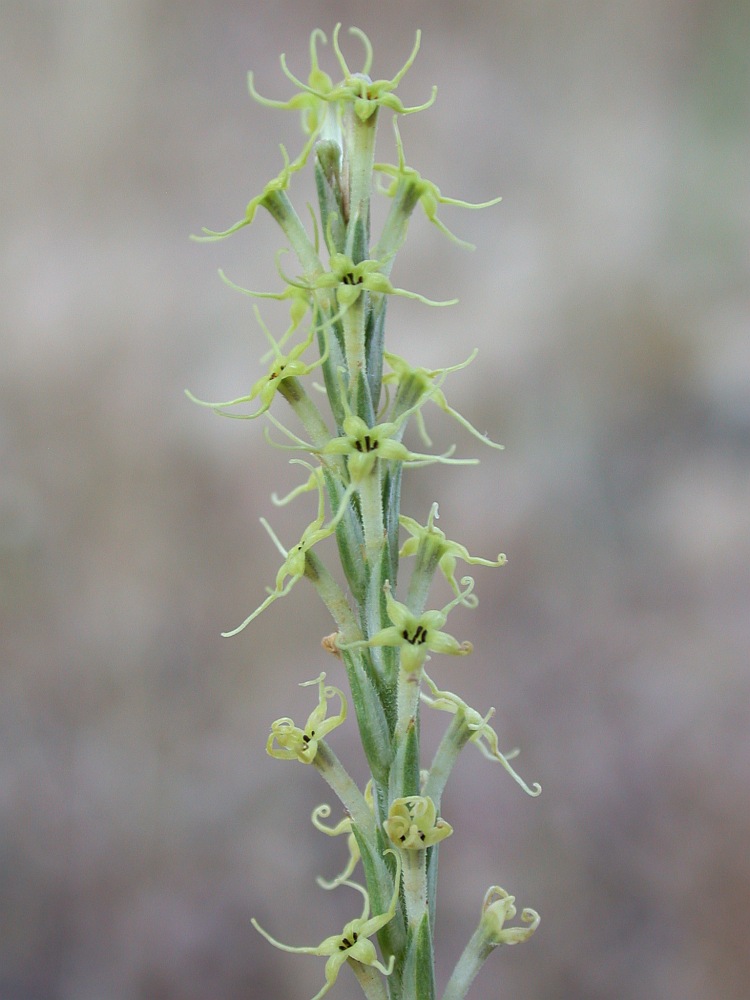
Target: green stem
(415, 886)
(360, 156)
(282, 210)
(370, 980)
(331, 768)
(308, 413)
(407, 701)
(353, 322)
(333, 597)
(456, 736)
(473, 957)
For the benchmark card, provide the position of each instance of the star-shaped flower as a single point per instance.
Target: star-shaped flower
(293, 567)
(288, 742)
(413, 823)
(267, 196)
(408, 187)
(438, 548)
(414, 383)
(365, 94)
(282, 367)
(418, 635)
(482, 733)
(353, 943)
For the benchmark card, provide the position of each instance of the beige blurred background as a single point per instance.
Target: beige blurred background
(141, 823)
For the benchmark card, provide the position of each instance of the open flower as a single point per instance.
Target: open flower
(353, 943)
(268, 195)
(293, 567)
(417, 635)
(413, 823)
(282, 367)
(288, 742)
(408, 187)
(482, 733)
(437, 548)
(498, 907)
(312, 100)
(365, 94)
(415, 384)
(349, 280)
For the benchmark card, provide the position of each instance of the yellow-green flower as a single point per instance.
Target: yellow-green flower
(353, 943)
(293, 567)
(413, 823)
(444, 551)
(287, 742)
(482, 733)
(365, 94)
(418, 635)
(343, 827)
(268, 196)
(498, 907)
(409, 187)
(283, 366)
(416, 385)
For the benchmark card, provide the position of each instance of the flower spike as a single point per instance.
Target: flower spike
(302, 744)
(482, 733)
(353, 943)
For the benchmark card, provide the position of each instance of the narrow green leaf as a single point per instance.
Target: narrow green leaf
(404, 777)
(373, 725)
(374, 345)
(419, 972)
(379, 877)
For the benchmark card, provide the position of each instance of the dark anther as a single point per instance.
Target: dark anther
(419, 637)
(422, 836)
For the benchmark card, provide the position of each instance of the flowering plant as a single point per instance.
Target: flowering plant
(356, 447)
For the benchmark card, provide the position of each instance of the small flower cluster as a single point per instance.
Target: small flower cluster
(356, 456)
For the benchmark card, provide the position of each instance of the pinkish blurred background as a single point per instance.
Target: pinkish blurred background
(141, 823)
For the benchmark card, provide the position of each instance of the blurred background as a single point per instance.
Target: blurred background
(141, 823)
